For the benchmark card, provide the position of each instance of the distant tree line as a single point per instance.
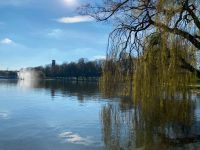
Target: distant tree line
(81, 68)
(8, 74)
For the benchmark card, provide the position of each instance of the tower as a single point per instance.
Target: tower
(53, 63)
(53, 68)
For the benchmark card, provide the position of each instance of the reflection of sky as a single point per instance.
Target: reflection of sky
(37, 120)
(76, 139)
(197, 110)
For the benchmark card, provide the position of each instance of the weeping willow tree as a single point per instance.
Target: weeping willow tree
(161, 70)
(153, 46)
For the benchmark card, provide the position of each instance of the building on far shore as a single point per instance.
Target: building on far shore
(53, 63)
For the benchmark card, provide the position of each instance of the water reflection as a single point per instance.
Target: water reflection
(28, 84)
(155, 124)
(125, 125)
(63, 87)
(75, 138)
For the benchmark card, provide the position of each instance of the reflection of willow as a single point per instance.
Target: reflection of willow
(150, 125)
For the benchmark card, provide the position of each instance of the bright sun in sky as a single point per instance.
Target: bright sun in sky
(70, 2)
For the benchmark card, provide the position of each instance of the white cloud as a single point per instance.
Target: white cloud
(75, 19)
(7, 41)
(99, 57)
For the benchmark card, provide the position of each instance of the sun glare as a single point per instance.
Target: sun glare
(70, 2)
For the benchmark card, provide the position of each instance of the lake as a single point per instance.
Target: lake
(63, 115)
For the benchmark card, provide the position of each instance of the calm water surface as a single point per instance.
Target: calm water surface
(58, 115)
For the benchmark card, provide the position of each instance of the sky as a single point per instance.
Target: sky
(35, 32)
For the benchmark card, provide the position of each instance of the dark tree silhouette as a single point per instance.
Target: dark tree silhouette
(82, 68)
(135, 20)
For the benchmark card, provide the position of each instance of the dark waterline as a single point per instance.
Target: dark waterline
(62, 115)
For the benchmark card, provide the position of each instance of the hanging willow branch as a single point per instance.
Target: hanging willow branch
(143, 17)
(158, 39)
